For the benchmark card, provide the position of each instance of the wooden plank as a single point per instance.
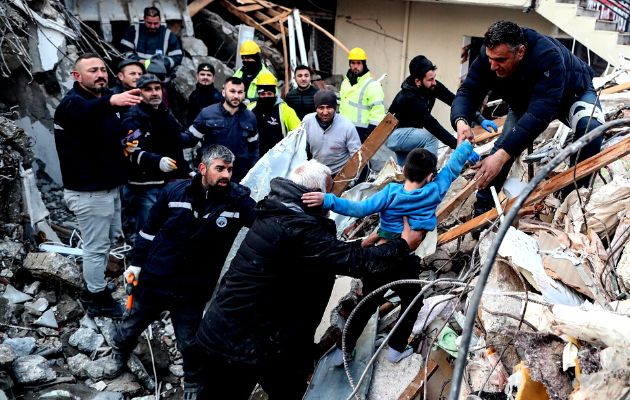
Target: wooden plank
(416, 385)
(285, 88)
(249, 20)
(585, 168)
(278, 18)
(616, 88)
(360, 159)
(456, 201)
(325, 32)
(264, 17)
(481, 134)
(251, 7)
(197, 5)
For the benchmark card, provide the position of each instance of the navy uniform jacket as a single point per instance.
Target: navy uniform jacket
(547, 79)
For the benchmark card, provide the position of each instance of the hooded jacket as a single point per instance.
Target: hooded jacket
(182, 247)
(88, 134)
(273, 296)
(547, 80)
(412, 107)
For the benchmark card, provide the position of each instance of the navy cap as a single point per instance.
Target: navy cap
(146, 79)
(205, 67)
(129, 61)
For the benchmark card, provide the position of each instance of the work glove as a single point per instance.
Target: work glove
(473, 158)
(167, 164)
(131, 270)
(489, 125)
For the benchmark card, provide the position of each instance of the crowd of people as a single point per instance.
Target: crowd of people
(124, 175)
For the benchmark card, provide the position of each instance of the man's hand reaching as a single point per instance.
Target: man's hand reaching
(413, 238)
(128, 98)
(313, 199)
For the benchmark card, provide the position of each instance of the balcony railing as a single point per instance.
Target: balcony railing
(617, 11)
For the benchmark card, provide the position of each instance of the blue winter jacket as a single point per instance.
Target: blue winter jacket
(394, 202)
(547, 80)
(238, 132)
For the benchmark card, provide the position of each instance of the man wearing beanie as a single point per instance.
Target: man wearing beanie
(361, 96)
(331, 138)
(412, 106)
(205, 94)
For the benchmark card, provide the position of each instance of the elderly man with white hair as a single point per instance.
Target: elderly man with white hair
(260, 327)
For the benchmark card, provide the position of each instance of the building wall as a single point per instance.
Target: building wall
(435, 30)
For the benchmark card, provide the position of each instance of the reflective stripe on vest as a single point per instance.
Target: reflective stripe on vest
(361, 107)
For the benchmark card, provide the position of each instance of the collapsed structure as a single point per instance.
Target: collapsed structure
(553, 316)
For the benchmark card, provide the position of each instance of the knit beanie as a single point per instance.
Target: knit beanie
(419, 66)
(325, 97)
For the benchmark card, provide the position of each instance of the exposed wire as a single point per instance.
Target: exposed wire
(475, 299)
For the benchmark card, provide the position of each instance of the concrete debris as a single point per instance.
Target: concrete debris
(36, 307)
(136, 368)
(125, 384)
(86, 340)
(15, 296)
(33, 369)
(7, 356)
(177, 370)
(21, 346)
(48, 320)
(77, 365)
(52, 266)
(58, 395)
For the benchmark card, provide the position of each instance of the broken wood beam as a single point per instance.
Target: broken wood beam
(481, 134)
(360, 159)
(616, 88)
(562, 180)
(416, 385)
(197, 5)
(264, 17)
(249, 21)
(456, 201)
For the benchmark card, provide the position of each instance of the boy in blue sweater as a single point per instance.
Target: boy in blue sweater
(417, 199)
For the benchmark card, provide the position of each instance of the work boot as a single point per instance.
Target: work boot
(103, 305)
(116, 364)
(191, 391)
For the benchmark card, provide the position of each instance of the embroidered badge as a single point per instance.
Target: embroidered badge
(221, 222)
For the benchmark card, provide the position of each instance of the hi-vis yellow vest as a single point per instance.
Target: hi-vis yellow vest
(362, 103)
(251, 94)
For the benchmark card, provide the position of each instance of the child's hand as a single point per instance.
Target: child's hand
(313, 199)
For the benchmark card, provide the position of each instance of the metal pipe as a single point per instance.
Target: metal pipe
(300, 36)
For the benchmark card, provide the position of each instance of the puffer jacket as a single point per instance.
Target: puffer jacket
(547, 79)
(275, 292)
(190, 230)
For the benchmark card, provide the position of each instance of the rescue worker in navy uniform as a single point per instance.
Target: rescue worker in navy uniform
(260, 327)
(229, 123)
(152, 39)
(129, 71)
(205, 94)
(178, 257)
(158, 158)
(541, 81)
(88, 134)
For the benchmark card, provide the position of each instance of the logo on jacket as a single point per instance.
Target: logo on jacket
(221, 222)
(272, 121)
(546, 73)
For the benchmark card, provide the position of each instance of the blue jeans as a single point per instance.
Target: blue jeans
(403, 140)
(575, 114)
(137, 203)
(98, 215)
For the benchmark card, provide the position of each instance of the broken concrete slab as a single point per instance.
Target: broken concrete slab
(21, 346)
(86, 340)
(36, 307)
(52, 266)
(77, 365)
(7, 356)
(29, 370)
(15, 296)
(177, 370)
(107, 328)
(194, 47)
(125, 384)
(47, 320)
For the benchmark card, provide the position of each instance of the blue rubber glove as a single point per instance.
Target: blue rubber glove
(473, 158)
(487, 124)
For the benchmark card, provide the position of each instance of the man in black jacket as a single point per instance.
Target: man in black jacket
(88, 135)
(205, 94)
(158, 157)
(260, 327)
(412, 106)
(301, 98)
(179, 254)
(540, 80)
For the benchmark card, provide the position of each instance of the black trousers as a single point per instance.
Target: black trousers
(186, 317)
(408, 269)
(282, 378)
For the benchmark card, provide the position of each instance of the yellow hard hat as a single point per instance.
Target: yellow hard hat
(357, 54)
(266, 79)
(249, 47)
